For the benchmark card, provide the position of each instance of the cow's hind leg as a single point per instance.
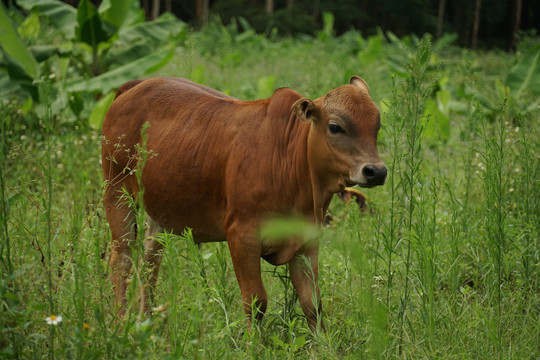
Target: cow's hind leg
(152, 259)
(123, 231)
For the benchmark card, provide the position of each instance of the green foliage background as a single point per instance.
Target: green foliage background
(446, 264)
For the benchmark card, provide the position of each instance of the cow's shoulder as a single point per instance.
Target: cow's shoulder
(128, 86)
(280, 103)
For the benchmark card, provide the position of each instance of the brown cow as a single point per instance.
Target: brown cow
(224, 164)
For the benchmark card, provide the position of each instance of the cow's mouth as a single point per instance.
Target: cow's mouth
(349, 182)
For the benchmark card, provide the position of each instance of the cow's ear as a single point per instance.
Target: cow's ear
(306, 110)
(359, 82)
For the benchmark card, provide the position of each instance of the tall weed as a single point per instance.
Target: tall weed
(413, 94)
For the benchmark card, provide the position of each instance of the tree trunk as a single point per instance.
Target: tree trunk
(168, 5)
(316, 10)
(476, 25)
(155, 9)
(146, 8)
(290, 4)
(440, 18)
(516, 23)
(202, 12)
(269, 7)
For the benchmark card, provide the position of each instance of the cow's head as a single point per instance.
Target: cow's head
(342, 144)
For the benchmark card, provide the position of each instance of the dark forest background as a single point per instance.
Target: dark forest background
(478, 23)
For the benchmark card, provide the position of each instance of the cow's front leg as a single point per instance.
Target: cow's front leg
(304, 269)
(246, 257)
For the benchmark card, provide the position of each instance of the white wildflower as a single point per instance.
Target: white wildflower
(53, 319)
(160, 308)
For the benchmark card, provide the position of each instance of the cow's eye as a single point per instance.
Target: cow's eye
(336, 129)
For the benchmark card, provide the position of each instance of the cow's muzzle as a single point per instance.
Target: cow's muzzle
(374, 175)
(368, 174)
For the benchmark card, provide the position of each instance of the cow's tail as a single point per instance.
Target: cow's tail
(127, 86)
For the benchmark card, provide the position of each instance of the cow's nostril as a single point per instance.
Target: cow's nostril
(369, 171)
(374, 175)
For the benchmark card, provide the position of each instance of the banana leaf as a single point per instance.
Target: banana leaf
(43, 52)
(115, 78)
(14, 48)
(100, 110)
(30, 28)
(115, 12)
(161, 30)
(373, 50)
(525, 74)
(91, 29)
(62, 16)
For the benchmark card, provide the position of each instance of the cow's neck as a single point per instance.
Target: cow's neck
(306, 182)
(322, 194)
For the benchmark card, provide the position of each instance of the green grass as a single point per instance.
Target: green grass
(445, 266)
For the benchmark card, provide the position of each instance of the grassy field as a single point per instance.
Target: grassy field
(446, 265)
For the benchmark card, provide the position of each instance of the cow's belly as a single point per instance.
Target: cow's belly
(206, 222)
(279, 253)
(185, 203)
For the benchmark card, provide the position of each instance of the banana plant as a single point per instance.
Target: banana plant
(524, 77)
(90, 53)
(525, 74)
(521, 89)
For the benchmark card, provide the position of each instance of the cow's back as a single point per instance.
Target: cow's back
(202, 143)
